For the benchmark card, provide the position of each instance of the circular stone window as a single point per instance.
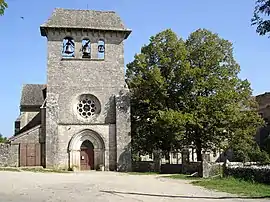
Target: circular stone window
(88, 106)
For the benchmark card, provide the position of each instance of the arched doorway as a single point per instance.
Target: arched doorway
(87, 156)
(89, 144)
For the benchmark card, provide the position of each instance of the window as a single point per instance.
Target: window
(68, 47)
(88, 106)
(86, 48)
(101, 49)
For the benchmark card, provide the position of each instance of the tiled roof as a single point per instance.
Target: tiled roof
(88, 19)
(32, 95)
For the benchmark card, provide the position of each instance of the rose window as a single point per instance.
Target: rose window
(88, 106)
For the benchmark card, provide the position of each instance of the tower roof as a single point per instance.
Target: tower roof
(85, 19)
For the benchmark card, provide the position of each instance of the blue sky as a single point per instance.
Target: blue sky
(23, 50)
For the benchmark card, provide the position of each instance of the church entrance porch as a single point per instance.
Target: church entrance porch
(86, 151)
(87, 156)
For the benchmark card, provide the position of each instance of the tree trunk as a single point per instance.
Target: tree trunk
(199, 150)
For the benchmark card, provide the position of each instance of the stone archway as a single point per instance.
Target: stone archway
(77, 141)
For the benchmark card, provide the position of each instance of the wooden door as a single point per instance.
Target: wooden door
(30, 155)
(87, 159)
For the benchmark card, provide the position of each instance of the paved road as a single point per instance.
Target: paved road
(101, 187)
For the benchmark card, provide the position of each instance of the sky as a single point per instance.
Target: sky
(23, 51)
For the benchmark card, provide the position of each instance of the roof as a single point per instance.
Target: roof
(87, 19)
(32, 95)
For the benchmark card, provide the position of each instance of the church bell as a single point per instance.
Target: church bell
(86, 50)
(68, 49)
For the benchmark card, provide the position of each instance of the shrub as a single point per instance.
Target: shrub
(255, 174)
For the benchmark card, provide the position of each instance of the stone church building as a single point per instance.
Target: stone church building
(81, 117)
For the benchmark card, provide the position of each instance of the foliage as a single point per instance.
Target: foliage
(261, 12)
(259, 174)
(244, 151)
(157, 122)
(3, 6)
(2, 139)
(182, 177)
(143, 173)
(235, 186)
(188, 92)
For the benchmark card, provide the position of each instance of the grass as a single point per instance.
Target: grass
(229, 185)
(32, 169)
(235, 186)
(9, 169)
(182, 177)
(42, 170)
(143, 173)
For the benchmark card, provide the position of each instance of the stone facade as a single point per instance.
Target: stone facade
(29, 136)
(263, 101)
(9, 155)
(85, 98)
(70, 78)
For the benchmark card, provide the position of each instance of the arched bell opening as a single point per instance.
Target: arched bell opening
(86, 48)
(101, 49)
(68, 47)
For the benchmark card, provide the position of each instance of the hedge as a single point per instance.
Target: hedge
(254, 174)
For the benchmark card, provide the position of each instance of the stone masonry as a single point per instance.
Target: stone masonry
(9, 155)
(70, 78)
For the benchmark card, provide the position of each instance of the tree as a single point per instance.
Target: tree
(2, 139)
(261, 11)
(152, 77)
(188, 93)
(3, 6)
(220, 102)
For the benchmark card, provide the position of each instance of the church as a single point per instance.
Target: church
(79, 119)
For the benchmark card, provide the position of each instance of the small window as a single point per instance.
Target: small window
(86, 48)
(68, 47)
(101, 49)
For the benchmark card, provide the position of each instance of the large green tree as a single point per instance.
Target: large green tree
(261, 16)
(153, 78)
(219, 101)
(3, 6)
(188, 92)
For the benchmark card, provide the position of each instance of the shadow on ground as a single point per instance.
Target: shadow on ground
(186, 197)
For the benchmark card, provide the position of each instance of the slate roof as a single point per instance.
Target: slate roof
(32, 95)
(87, 19)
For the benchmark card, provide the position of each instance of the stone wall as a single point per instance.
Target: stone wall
(143, 166)
(9, 155)
(30, 136)
(26, 117)
(69, 78)
(67, 132)
(123, 131)
(171, 168)
(259, 174)
(191, 167)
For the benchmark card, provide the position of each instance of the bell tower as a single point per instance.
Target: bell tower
(87, 98)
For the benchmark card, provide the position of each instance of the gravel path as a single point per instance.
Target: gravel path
(101, 186)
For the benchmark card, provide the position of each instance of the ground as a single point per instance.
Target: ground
(101, 186)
